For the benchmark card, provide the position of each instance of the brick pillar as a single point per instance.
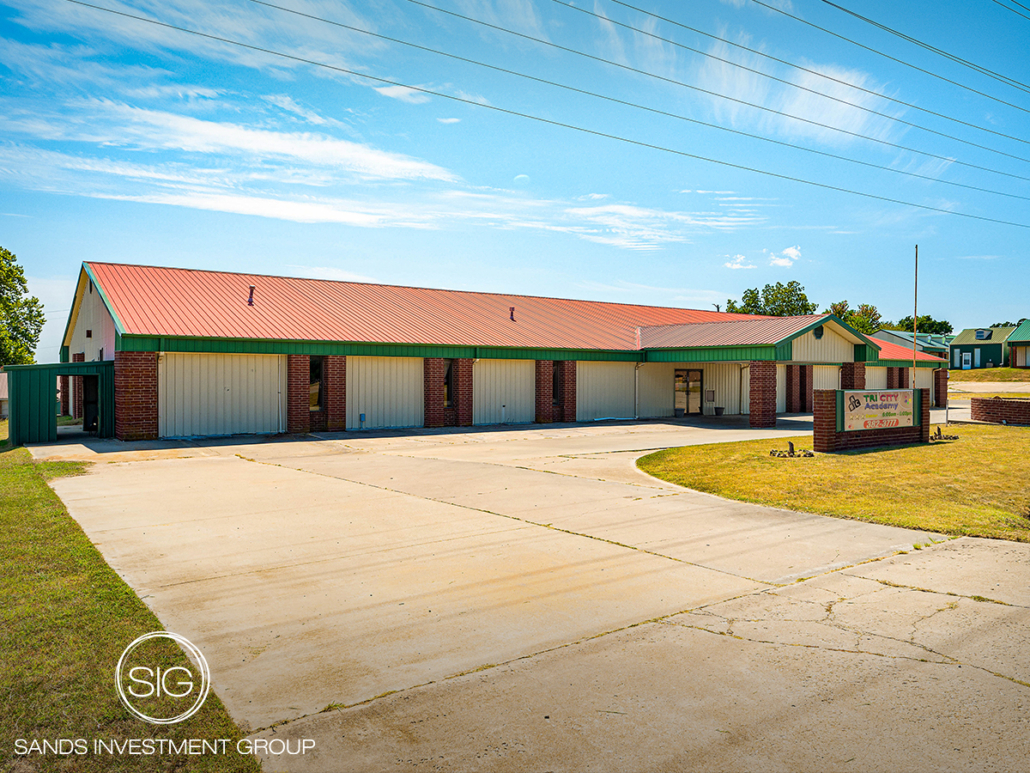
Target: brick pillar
(924, 431)
(763, 394)
(903, 378)
(824, 421)
(463, 386)
(544, 391)
(432, 391)
(298, 393)
(65, 396)
(892, 378)
(852, 375)
(940, 387)
(793, 389)
(567, 409)
(807, 388)
(77, 388)
(135, 395)
(335, 381)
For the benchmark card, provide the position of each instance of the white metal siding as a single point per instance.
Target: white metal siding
(604, 390)
(957, 358)
(832, 347)
(924, 380)
(781, 389)
(826, 377)
(745, 391)
(220, 394)
(875, 378)
(725, 379)
(503, 391)
(1020, 356)
(656, 396)
(388, 390)
(94, 317)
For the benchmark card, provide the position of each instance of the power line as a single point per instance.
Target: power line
(933, 49)
(1010, 8)
(790, 83)
(547, 121)
(634, 104)
(888, 56)
(717, 94)
(810, 71)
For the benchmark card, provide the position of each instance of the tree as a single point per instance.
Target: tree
(778, 300)
(1009, 324)
(865, 319)
(21, 315)
(927, 324)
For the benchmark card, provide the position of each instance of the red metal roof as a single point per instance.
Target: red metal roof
(892, 351)
(213, 304)
(752, 331)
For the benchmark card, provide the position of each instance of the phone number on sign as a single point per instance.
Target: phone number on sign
(881, 423)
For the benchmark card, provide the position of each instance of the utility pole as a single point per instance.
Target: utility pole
(915, 322)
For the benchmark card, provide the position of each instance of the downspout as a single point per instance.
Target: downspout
(636, 389)
(279, 386)
(740, 390)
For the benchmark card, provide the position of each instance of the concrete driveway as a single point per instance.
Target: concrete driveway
(526, 599)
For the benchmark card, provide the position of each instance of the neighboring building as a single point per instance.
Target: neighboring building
(3, 395)
(937, 345)
(981, 347)
(160, 352)
(1019, 345)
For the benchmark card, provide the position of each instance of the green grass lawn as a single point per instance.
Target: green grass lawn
(975, 486)
(990, 374)
(65, 618)
(957, 396)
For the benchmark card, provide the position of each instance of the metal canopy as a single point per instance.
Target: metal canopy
(33, 399)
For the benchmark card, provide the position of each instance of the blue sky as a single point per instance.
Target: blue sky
(129, 142)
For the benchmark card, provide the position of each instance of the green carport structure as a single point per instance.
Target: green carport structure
(32, 390)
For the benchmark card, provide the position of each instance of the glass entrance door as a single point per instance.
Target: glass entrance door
(688, 392)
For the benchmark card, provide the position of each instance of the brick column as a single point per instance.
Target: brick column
(568, 390)
(463, 387)
(903, 378)
(432, 391)
(852, 375)
(763, 394)
(298, 393)
(77, 388)
(793, 389)
(892, 378)
(824, 426)
(807, 388)
(65, 396)
(940, 387)
(335, 378)
(135, 395)
(924, 430)
(544, 391)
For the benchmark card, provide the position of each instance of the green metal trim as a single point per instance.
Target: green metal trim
(917, 407)
(132, 343)
(905, 364)
(118, 326)
(785, 351)
(713, 354)
(64, 354)
(33, 393)
(840, 410)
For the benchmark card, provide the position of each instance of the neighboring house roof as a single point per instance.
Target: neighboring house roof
(999, 335)
(154, 301)
(892, 351)
(762, 331)
(1021, 335)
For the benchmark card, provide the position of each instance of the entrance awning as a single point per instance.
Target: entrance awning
(32, 391)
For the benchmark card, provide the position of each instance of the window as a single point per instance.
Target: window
(315, 391)
(448, 384)
(556, 383)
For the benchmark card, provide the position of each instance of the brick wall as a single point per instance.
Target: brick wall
(940, 387)
(763, 394)
(826, 439)
(545, 392)
(459, 413)
(335, 377)
(432, 392)
(567, 410)
(135, 395)
(298, 393)
(793, 389)
(77, 388)
(1000, 409)
(65, 396)
(807, 388)
(852, 375)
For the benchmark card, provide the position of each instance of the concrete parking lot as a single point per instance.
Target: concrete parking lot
(525, 599)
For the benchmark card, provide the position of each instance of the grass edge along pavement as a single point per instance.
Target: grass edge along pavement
(989, 374)
(974, 486)
(65, 618)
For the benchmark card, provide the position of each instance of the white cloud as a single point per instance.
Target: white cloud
(448, 120)
(739, 261)
(786, 258)
(404, 94)
(288, 104)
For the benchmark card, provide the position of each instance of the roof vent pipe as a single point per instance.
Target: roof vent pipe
(512, 310)
(250, 300)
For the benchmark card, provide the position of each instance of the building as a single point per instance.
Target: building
(937, 345)
(3, 395)
(159, 352)
(981, 347)
(1019, 345)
